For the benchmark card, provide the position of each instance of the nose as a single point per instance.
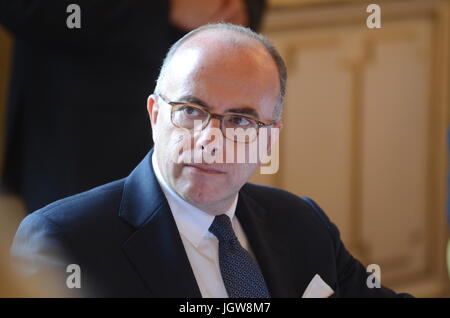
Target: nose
(210, 139)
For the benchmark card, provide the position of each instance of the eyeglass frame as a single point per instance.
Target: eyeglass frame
(259, 123)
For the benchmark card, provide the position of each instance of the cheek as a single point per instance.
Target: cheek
(175, 142)
(181, 144)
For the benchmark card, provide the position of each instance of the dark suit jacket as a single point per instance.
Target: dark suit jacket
(125, 240)
(77, 104)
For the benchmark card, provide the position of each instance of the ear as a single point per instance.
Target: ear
(273, 137)
(152, 109)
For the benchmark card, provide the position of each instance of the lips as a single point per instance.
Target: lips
(206, 168)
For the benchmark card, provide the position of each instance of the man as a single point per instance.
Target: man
(75, 118)
(182, 228)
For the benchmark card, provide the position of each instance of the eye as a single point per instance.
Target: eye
(239, 121)
(191, 111)
(188, 110)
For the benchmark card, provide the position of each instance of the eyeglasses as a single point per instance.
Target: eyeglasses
(192, 117)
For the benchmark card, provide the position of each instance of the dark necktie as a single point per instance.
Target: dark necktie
(240, 272)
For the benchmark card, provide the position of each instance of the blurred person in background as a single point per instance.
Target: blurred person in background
(76, 117)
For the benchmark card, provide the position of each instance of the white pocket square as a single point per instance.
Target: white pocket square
(317, 288)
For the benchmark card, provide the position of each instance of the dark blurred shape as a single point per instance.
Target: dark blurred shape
(12, 282)
(76, 110)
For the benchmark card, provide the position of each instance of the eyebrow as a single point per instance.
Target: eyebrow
(240, 110)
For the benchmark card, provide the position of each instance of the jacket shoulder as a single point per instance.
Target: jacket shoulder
(282, 203)
(92, 206)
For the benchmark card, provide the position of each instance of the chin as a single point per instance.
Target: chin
(203, 197)
(198, 195)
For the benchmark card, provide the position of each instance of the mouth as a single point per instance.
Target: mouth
(205, 168)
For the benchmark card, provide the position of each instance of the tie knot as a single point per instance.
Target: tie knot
(221, 227)
(240, 272)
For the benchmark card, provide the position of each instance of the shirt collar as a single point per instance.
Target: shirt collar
(192, 222)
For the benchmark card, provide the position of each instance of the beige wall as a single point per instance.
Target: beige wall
(365, 129)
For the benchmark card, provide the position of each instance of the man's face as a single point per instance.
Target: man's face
(225, 80)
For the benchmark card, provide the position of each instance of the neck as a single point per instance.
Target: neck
(216, 208)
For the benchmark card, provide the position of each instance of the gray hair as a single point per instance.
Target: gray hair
(282, 71)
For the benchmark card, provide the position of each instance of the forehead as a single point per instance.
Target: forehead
(225, 75)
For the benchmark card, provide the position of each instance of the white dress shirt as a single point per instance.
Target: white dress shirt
(202, 247)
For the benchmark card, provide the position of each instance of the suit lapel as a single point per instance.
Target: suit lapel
(155, 249)
(270, 249)
(157, 253)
